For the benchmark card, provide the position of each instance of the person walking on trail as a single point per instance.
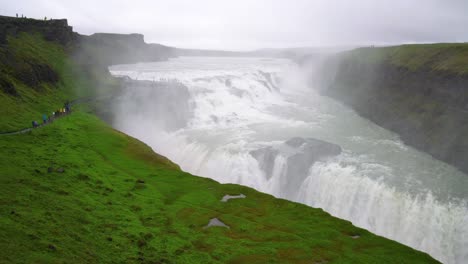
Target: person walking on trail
(67, 107)
(44, 118)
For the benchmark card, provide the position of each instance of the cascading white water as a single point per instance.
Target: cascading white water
(235, 107)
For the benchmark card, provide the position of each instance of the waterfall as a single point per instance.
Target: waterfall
(255, 122)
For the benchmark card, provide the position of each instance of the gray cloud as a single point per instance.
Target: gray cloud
(250, 24)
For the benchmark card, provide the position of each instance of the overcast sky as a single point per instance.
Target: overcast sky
(252, 24)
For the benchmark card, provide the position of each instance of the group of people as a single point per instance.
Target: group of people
(17, 16)
(66, 109)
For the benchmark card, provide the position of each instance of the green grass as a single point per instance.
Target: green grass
(445, 57)
(118, 202)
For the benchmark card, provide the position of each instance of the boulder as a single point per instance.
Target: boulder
(310, 151)
(215, 222)
(266, 159)
(300, 155)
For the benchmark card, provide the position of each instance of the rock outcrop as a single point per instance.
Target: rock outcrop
(33, 74)
(299, 154)
(110, 49)
(310, 151)
(56, 30)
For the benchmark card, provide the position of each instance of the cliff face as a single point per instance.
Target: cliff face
(17, 66)
(418, 91)
(110, 49)
(56, 30)
(100, 49)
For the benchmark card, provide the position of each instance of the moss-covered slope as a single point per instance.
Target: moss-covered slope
(116, 201)
(28, 91)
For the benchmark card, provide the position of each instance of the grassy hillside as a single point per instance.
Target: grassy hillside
(37, 77)
(450, 57)
(31, 97)
(77, 191)
(117, 202)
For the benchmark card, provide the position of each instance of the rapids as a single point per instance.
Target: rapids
(210, 115)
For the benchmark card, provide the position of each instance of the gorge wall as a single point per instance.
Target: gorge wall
(109, 49)
(418, 91)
